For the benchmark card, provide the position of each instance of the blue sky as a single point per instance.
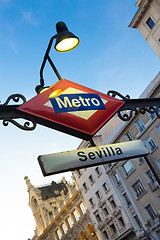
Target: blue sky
(110, 56)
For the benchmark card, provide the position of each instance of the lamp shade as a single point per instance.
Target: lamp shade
(65, 40)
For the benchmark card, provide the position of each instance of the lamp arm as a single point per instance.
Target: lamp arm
(46, 57)
(54, 68)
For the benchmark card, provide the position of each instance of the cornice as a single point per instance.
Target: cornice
(140, 13)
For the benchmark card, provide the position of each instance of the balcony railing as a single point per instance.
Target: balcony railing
(154, 221)
(153, 185)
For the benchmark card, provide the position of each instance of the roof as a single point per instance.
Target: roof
(53, 190)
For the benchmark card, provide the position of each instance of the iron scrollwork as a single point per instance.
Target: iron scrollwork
(113, 93)
(134, 106)
(25, 126)
(10, 111)
(16, 98)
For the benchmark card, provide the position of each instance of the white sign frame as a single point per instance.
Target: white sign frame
(88, 157)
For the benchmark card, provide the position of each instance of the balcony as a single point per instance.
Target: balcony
(154, 222)
(101, 225)
(108, 219)
(116, 210)
(123, 232)
(101, 202)
(153, 185)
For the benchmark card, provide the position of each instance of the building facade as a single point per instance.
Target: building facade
(127, 188)
(60, 212)
(110, 218)
(134, 180)
(147, 21)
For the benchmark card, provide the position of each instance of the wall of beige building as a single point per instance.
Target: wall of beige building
(147, 21)
(134, 178)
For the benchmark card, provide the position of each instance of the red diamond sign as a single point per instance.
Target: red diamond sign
(73, 108)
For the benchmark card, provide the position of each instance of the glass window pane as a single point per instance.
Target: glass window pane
(70, 222)
(82, 208)
(128, 167)
(150, 22)
(76, 215)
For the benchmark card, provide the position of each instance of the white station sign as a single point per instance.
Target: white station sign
(71, 160)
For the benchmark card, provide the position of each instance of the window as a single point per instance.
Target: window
(158, 129)
(105, 211)
(116, 178)
(121, 221)
(140, 125)
(98, 194)
(113, 228)
(91, 179)
(76, 215)
(105, 234)
(85, 186)
(128, 168)
(136, 218)
(151, 144)
(59, 234)
(98, 171)
(82, 207)
(64, 228)
(105, 187)
(97, 216)
(138, 188)
(152, 115)
(112, 202)
(130, 137)
(127, 199)
(91, 202)
(150, 211)
(109, 165)
(150, 22)
(150, 176)
(158, 162)
(140, 160)
(70, 222)
(158, 234)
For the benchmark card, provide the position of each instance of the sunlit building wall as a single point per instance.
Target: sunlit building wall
(147, 21)
(60, 212)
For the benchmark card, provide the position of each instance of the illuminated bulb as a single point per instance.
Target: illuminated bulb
(67, 44)
(44, 89)
(55, 93)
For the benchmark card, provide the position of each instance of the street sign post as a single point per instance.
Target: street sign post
(73, 108)
(71, 160)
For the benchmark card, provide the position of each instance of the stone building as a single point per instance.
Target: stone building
(110, 218)
(60, 212)
(147, 21)
(124, 197)
(134, 180)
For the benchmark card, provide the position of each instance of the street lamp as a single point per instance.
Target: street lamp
(65, 41)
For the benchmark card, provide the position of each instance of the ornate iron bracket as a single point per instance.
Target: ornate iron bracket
(131, 107)
(134, 106)
(9, 112)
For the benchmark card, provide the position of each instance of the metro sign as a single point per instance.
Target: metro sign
(73, 108)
